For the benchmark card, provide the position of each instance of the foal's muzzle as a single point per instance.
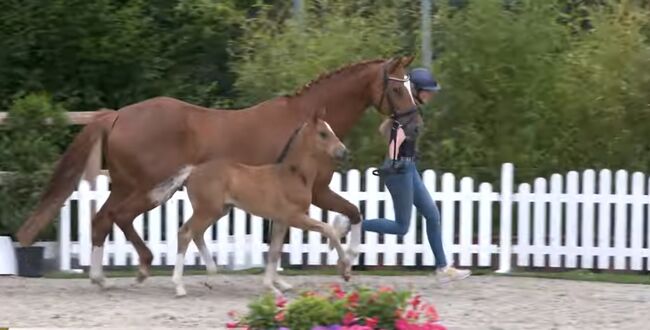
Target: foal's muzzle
(341, 154)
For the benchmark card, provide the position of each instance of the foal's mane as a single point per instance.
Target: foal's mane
(344, 69)
(287, 146)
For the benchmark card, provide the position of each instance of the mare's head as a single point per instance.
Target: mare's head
(392, 95)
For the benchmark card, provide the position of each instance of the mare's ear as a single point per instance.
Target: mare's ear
(407, 60)
(394, 64)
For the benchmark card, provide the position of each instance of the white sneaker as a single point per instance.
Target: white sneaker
(449, 274)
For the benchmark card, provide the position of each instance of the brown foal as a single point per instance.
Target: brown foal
(156, 141)
(280, 191)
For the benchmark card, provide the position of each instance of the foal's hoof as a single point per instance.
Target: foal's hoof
(99, 281)
(283, 286)
(142, 275)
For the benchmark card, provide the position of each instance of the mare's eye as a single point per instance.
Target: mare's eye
(397, 90)
(323, 135)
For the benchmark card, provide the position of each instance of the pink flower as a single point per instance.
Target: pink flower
(431, 313)
(232, 325)
(279, 317)
(401, 324)
(385, 289)
(232, 314)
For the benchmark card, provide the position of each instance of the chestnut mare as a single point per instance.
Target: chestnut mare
(153, 141)
(281, 192)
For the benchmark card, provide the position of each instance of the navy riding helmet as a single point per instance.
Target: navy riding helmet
(421, 78)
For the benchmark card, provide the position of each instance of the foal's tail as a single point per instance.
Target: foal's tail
(66, 175)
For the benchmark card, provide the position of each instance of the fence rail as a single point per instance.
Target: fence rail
(580, 222)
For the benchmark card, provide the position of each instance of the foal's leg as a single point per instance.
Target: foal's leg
(304, 222)
(326, 199)
(278, 231)
(198, 234)
(193, 228)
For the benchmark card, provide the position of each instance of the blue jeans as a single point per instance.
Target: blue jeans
(407, 189)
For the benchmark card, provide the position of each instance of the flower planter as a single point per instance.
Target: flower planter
(30, 261)
(7, 256)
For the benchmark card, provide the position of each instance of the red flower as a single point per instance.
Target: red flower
(353, 299)
(348, 319)
(415, 301)
(232, 325)
(371, 322)
(279, 317)
(280, 301)
(412, 315)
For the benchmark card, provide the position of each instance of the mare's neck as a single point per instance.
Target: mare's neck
(346, 95)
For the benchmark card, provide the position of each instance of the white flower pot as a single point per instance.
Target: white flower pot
(7, 256)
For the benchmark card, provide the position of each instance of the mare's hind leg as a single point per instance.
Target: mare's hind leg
(124, 214)
(101, 226)
(271, 279)
(192, 229)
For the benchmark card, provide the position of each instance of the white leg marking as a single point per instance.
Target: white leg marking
(355, 242)
(210, 265)
(178, 275)
(96, 273)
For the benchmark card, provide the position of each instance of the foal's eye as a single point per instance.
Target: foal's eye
(397, 90)
(323, 135)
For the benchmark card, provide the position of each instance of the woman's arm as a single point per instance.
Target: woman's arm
(384, 129)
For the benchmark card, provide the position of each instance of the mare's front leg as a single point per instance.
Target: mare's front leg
(278, 232)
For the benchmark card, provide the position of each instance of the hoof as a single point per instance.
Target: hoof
(141, 276)
(283, 286)
(99, 281)
(180, 292)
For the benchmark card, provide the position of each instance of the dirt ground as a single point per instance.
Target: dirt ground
(480, 302)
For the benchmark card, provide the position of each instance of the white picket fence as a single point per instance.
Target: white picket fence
(570, 226)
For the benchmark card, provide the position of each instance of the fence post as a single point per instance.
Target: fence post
(505, 239)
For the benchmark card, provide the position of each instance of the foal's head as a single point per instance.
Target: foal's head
(320, 138)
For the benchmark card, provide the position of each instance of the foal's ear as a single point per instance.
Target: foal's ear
(320, 114)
